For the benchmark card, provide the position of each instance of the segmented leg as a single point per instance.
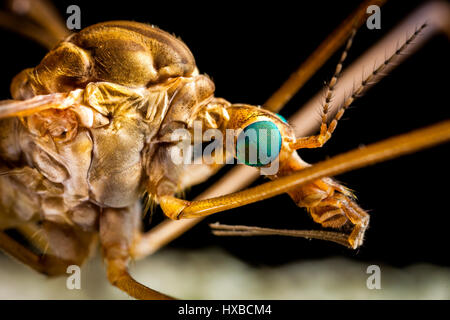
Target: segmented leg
(178, 209)
(63, 246)
(35, 19)
(318, 58)
(241, 177)
(118, 230)
(46, 264)
(19, 108)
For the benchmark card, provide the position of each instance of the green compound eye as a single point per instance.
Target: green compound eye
(282, 118)
(258, 144)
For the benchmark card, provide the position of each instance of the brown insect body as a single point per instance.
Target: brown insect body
(94, 133)
(126, 82)
(123, 69)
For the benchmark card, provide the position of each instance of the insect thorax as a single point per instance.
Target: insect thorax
(131, 85)
(122, 52)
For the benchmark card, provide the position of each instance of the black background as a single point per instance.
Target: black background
(249, 49)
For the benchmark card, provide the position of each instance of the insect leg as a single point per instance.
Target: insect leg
(318, 58)
(35, 19)
(19, 108)
(118, 230)
(62, 247)
(241, 177)
(176, 208)
(46, 264)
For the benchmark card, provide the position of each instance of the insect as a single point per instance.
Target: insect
(89, 131)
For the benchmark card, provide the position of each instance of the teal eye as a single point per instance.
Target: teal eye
(258, 144)
(282, 118)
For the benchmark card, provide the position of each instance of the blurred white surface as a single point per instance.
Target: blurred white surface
(214, 274)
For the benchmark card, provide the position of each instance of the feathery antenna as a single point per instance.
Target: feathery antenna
(371, 79)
